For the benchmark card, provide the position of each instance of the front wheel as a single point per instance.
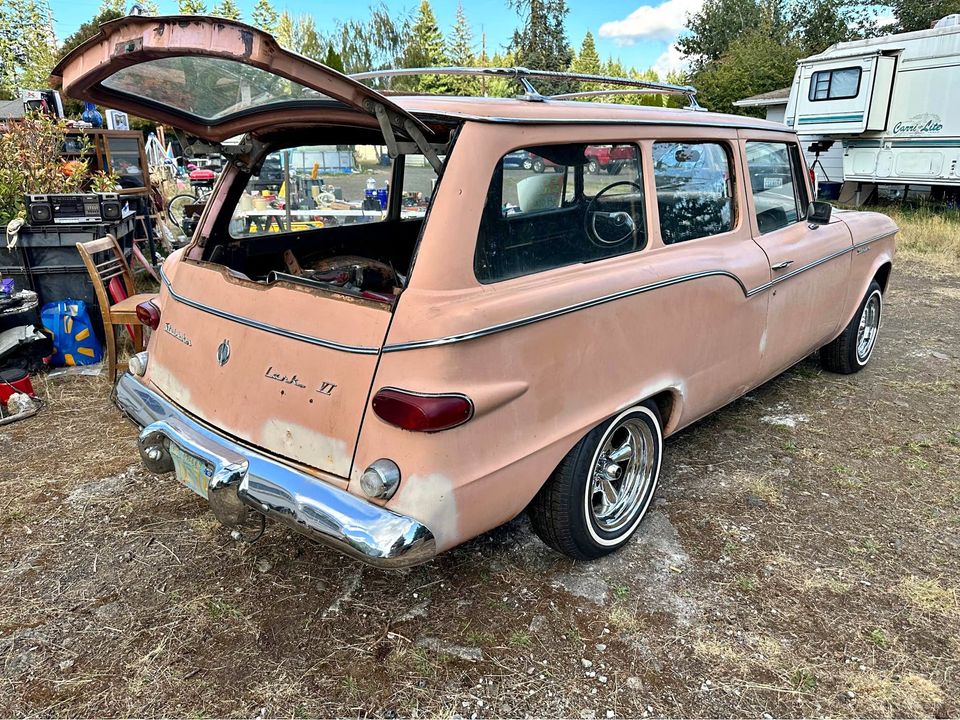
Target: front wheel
(597, 496)
(851, 351)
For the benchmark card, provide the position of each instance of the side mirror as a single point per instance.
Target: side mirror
(818, 213)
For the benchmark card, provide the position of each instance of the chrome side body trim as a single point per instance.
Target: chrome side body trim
(472, 335)
(239, 319)
(530, 319)
(242, 479)
(546, 315)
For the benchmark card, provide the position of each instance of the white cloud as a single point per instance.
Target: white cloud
(662, 21)
(670, 60)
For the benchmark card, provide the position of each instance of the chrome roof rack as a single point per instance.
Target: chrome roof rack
(626, 86)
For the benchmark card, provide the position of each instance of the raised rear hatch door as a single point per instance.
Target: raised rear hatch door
(213, 78)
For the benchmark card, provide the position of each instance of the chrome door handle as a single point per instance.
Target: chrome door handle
(782, 265)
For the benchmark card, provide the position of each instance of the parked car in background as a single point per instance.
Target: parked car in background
(604, 159)
(396, 386)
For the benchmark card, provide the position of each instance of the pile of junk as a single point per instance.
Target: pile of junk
(25, 347)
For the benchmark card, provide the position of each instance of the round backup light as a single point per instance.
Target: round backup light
(138, 364)
(381, 479)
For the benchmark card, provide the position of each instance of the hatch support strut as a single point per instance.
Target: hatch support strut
(410, 127)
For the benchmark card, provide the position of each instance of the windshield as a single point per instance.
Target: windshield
(210, 88)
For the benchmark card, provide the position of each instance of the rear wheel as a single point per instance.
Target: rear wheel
(592, 167)
(597, 496)
(851, 351)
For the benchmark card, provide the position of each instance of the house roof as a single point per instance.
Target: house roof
(774, 97)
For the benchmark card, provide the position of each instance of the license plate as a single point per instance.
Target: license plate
(772, 182)
(191, 471)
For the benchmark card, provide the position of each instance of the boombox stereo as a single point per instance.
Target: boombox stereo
(73, 209)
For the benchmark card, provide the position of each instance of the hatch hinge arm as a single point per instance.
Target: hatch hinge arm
(410, 128)
(245, 155)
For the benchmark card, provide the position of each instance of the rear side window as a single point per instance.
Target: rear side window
(835, 84)
(327, 186)
(693, 190)
(779, 195)
(558, 205)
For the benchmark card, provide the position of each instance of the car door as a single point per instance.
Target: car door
(809, 264)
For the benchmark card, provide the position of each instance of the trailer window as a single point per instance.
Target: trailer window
(835, 84)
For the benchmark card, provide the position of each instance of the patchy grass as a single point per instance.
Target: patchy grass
(927, 233)
(887, 695)
(928, 595)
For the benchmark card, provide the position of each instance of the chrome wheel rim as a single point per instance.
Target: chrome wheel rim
(869, 327)
(623, 474)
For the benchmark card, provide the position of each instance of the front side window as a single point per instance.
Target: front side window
(693, 190)
(779, 196)
(558, 205)
(835, 84)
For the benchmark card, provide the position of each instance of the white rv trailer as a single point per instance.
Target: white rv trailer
(893, 102)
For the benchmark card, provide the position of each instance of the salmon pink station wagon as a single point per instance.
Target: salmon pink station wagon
(544, 290)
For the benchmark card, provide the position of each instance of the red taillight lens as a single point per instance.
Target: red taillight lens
(421, 413)
(813, 177)
(148, 314)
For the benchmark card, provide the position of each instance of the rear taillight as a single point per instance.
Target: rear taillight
(422, 413)
(813, 177)
(148, 314)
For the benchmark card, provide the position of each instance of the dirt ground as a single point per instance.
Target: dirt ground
(802, 559)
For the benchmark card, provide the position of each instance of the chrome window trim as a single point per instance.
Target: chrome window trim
(266, 327)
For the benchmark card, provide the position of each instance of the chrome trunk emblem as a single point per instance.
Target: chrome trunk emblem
(223, 353)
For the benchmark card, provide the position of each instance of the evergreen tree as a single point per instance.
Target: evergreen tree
(460, 52)
(265, 17)
(425, 48)
(226, 9)
(541, 41)
(333, 59)
(587, 61)
(192, 7)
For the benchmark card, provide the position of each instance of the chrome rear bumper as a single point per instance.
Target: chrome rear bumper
(241, 479)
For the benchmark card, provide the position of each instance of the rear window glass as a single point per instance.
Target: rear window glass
(558, 205)
(693, 190)
(324, 186)
(209, 88)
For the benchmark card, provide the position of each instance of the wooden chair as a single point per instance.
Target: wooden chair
(121, 312)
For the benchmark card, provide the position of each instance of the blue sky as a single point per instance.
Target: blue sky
(640, 32)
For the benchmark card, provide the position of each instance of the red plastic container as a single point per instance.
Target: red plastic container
(14, 381)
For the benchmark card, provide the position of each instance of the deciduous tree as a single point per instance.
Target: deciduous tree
(27, 50)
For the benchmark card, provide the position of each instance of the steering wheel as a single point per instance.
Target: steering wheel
(607, 229)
